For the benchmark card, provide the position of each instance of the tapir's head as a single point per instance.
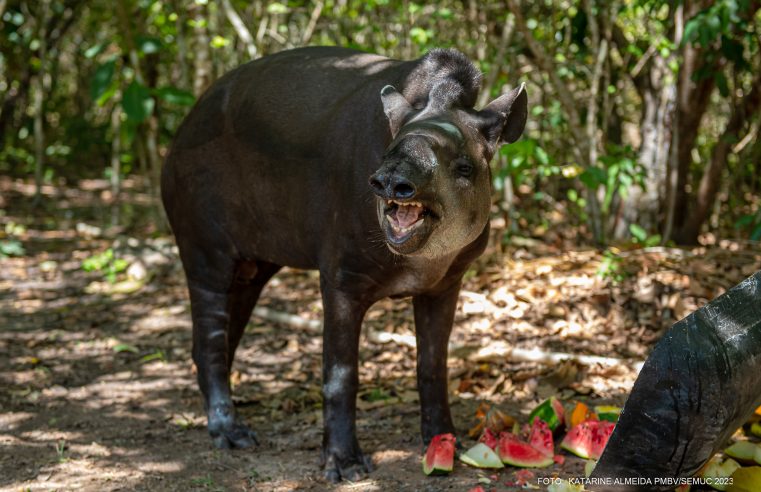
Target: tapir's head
(434, 186)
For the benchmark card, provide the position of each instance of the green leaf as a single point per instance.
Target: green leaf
(756, 234)
(101, 79)
(721, 83)
(219, 42)
(137, 102)
(277, 8)
(638, 232)
(94, 50)
(124, 347)
(148, 45)
(173, 95)
(11, 247)
(592, 177)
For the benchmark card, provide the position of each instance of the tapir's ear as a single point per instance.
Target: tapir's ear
(504, 118)
(395, 106)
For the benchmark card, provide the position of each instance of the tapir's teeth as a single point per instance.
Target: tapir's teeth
(403, 230)
(409, 204)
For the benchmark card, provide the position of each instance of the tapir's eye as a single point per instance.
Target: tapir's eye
(463, 167)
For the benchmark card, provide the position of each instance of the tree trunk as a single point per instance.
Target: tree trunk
(202, 60)
(711, 180)
(39, 104)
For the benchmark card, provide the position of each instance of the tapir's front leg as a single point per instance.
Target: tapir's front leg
(341, 455)
(434, 315)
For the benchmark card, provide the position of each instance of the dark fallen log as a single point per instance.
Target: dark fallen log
(701, 382)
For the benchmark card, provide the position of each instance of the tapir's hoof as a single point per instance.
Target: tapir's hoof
(352, 470)
(228, 431)
(239, 436)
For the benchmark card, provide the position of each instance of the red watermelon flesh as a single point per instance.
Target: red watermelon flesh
(439, 458)
(600, 434)
(579, 440)
(513, 451)
(588, 439)
(488, 438)
(540, 437)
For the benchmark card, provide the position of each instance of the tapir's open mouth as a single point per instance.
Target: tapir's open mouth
(407, 224)
(405, 217)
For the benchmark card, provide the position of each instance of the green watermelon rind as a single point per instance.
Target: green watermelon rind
(480, 447)
(550, 411)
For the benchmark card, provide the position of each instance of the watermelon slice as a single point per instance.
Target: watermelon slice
(481, 456)
(716, 469)
(588, 439)
(513, 451)
(608, 412)
(439, 458)
(488, 438)
(743, 451)
(540, 437)
(601, 432)
(550, 411)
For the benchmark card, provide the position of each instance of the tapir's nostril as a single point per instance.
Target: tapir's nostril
(378, 183)
(402, 188)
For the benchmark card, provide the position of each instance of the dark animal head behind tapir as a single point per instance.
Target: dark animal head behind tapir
(433, 186)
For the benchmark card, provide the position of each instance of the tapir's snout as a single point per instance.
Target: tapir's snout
(392, 185)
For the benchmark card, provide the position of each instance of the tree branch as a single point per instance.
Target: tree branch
(240, 28)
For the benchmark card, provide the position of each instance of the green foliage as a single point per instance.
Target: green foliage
(611, 267)
(137, 102)
(106, 263)
(640, 236)
(11, 247)
(752, 224)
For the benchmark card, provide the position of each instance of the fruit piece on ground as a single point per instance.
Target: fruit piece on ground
(439, 458)
(550, 411)
(559, 459)
(489, 438)
(746, 480)
(579, 440)
(608, 412)
(523, 477)
(477, 488)
(755, 429)
(513, 451)
(565, 486)
(589, 467)
(580, 413)
(718, 471)
(743, 451)
(481, 456)
(601, 432)
(588, 439)
(540, 437)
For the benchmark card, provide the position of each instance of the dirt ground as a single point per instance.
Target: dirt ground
(97, 390)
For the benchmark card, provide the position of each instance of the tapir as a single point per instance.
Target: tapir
(373, 171)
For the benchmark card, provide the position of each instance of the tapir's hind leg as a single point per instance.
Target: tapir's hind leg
(249, 282)
(219, 316)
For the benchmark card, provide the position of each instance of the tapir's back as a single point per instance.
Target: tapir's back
(286, 101)
(263, 138)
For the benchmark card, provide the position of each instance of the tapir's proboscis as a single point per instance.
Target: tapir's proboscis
(373, 171)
